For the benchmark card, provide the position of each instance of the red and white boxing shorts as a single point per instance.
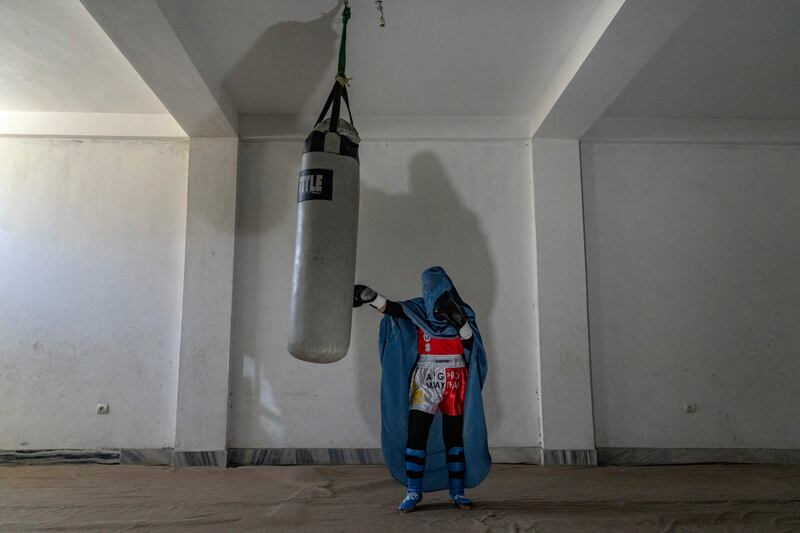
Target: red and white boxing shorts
(439, 380)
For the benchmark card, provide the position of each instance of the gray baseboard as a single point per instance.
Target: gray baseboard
(124, 456)
(683, 456)
(570, 457)
(517, 455)
(349, 456)
(145, 456)
(200, 458)
(304, 456)
(51, 457)
(170, 457)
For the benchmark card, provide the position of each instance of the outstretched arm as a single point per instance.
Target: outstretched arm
(365, 295)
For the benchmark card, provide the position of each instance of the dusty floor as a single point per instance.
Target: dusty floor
(363, 498)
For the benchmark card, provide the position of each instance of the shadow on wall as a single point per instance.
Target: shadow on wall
(265, 230)
(286, 66)
(400, 235)
(265, 199)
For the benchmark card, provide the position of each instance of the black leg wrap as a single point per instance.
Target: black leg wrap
(452, 427)
(419, 425)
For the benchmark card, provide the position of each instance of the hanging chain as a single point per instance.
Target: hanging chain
(381, 20)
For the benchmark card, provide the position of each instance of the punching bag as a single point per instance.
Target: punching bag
(321, 304)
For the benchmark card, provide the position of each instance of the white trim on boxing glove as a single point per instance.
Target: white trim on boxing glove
(379, 301)
(465, 332)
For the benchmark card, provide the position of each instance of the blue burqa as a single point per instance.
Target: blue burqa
(398, 349)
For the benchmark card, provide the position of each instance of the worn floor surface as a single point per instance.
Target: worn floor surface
(362, 498)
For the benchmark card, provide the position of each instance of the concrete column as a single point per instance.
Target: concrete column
(566, 392)
(202, 410)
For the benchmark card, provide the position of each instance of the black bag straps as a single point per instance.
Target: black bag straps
(337, 94)
(347, 103)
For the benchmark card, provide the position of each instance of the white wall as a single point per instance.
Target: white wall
(564, 362)
(91, 265)
(203, 377)
(464, 205)
(693, 254)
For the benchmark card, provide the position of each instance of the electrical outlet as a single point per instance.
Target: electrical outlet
(102, 408)
(690, 407)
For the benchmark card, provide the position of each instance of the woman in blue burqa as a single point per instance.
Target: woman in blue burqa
(433, 368)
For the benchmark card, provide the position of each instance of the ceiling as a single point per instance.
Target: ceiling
(443, 58)
(731, 59)
(448, 57)
(55, 58)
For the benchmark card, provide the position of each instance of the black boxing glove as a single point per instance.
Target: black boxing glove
(448, 310)
(365, 295)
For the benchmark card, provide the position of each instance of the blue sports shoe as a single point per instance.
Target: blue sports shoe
(410, 502)
(461, 501)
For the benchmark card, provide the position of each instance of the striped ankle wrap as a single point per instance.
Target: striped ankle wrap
(455, 470)
(415, 468)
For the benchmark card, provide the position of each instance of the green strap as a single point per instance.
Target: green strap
(343, 44)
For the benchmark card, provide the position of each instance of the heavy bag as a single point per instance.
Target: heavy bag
(321, 305)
